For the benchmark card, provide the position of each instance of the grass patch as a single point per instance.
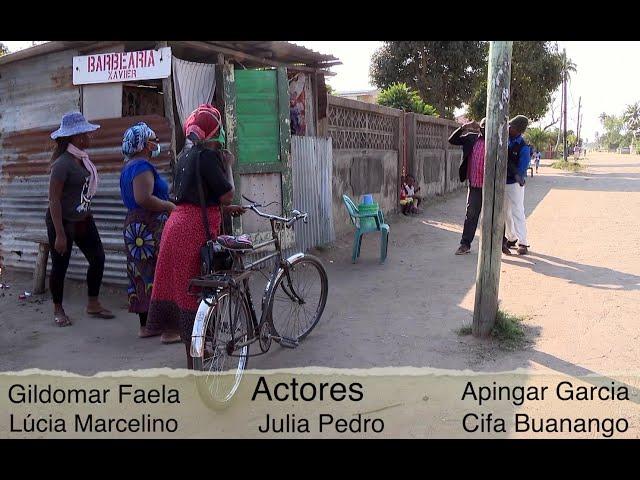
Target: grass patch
(567, 166)
(464, 330)
(508, 331)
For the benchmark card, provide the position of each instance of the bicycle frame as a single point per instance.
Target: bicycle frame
(280, 267)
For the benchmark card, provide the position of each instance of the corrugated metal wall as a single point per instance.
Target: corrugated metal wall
(312, 170)
(24, 182)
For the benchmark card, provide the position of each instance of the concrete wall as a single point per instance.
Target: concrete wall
(429, 170)
(454, 159)
(436, 170)
(359, 172)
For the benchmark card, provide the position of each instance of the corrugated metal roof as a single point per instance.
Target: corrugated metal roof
(285, 52)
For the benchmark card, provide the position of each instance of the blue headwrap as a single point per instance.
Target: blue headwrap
(135, 138)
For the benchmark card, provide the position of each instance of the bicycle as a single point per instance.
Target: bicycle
(226, 324)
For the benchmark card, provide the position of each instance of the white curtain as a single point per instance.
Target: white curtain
(193, 84)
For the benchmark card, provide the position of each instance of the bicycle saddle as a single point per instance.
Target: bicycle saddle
(241, 242)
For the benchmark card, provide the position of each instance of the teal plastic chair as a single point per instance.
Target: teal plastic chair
(378, 226)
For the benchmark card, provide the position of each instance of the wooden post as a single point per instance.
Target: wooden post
(40, 272)
(495, 173)
(230, 120)
(564, 114)
(402, 152)
(579, 123)
(410, 131)
(167, 93)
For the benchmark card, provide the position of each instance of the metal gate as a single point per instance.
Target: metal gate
(312, 171)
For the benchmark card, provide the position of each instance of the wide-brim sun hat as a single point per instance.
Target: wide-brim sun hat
(73, 123)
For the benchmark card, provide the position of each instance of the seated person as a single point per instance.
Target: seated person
(406, 201)
(411, 188)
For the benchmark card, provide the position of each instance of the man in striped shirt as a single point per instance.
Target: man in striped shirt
(471, 137)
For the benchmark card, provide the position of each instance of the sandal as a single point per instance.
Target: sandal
(102, 313)
(62, 320)
(167, 339)
(144, 333)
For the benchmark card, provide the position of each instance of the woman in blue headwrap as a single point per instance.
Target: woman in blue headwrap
(146, 195)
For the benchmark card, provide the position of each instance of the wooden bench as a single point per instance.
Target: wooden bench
(40, 270)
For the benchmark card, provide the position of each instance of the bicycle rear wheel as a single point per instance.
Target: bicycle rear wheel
(223, 363)
(299, 298)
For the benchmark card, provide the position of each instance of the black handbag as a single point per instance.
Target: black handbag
(212, 256)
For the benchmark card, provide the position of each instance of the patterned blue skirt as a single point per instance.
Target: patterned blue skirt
(142, 233)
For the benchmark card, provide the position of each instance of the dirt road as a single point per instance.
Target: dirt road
(579, 288)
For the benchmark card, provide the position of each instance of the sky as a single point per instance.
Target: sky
(606, 78)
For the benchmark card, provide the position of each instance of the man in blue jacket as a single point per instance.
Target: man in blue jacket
(518, 160)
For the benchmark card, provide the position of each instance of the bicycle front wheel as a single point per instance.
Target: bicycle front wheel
(299, 297)
(226, 324)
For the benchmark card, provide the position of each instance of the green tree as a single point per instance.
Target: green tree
(631, 117)
(330, 89)
(542, 140)
(613, 135)
(3, 49)
(399, 95)
(444, 73)
(536, 72)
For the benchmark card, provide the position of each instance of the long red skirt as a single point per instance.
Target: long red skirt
(171, 308)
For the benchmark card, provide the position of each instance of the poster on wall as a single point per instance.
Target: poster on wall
(296, 104)
(122, 66)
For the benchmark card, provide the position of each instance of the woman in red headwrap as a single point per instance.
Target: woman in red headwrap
(171, 308)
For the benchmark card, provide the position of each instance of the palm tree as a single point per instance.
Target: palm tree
(631, 117)
(568, 68)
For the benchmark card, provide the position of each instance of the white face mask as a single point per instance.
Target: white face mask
(156, 152)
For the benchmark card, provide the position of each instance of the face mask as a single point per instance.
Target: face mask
(156, 152)
(221, 138)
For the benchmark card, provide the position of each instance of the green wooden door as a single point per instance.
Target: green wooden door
(262, 144)
(257, 117)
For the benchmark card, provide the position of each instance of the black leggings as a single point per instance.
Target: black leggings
(85, 235)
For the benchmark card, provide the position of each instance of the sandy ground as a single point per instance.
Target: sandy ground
(579, 289)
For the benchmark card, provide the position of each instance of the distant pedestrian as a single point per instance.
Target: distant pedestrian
(537, 160)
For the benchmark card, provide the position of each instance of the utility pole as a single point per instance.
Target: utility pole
(564, 87)
(578, 126)
(495, 172)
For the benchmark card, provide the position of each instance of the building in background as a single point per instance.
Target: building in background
(368, 96)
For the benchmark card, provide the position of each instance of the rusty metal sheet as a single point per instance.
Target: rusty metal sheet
(28, 152)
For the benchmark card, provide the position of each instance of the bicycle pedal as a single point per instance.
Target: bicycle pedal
(288, 342)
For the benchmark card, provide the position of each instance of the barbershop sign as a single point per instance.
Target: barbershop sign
(122, 66)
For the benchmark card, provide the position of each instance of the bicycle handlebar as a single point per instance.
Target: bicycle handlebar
(287, 221)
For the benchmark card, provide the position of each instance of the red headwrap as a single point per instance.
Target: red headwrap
(204, 121)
